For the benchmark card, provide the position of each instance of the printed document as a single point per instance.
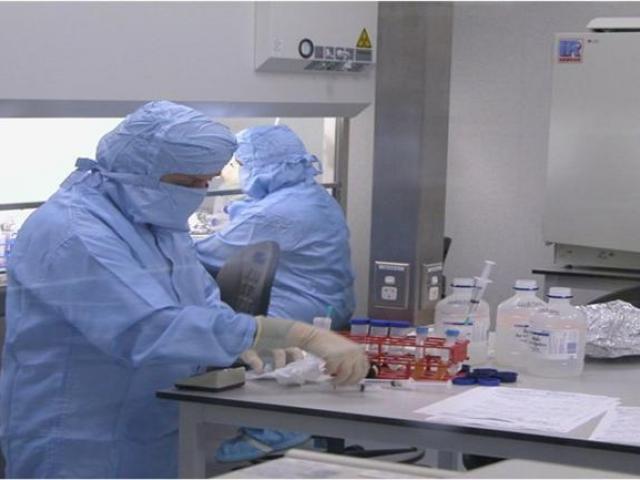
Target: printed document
(519, 409)
(619, 425)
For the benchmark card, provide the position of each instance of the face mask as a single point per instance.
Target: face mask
(163, 205)
(185, 200)
(146, 200)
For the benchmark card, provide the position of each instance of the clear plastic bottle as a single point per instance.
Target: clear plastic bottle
(451, 313)
(557, 337)
(512, 323)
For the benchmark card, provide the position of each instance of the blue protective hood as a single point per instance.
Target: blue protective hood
(157, 139)
(273, 157)
(163, 137)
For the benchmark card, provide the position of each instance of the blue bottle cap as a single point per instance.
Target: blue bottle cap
(422, 330)
(379, 323)
(464, 381)
(359, 321)
(484, 372)
(452, 332)
(489, 381)
(399, 324)
(507, 377)
(465, 368)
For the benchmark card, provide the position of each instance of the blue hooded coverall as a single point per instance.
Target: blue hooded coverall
(107, 303)
(286, 205)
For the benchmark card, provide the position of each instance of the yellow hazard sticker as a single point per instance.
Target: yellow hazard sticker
(363, 40)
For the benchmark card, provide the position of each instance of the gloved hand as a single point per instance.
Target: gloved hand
(281, 357)
(344, 359)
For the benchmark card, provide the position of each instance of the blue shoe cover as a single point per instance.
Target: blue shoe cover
(276, 439)
(254, 443)
(239, 449)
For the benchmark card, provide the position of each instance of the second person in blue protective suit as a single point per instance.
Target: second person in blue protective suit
(285, 204)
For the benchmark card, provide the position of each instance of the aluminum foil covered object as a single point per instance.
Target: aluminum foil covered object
(614, 329)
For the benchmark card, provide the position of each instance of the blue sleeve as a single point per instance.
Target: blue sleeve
(213, 252)
(259, 227)
(122, 310)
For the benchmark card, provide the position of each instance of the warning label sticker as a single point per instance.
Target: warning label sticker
(363, 40)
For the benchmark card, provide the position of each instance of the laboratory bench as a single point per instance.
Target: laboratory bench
(387, 415)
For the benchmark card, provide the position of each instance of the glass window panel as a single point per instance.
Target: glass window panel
(38, 153)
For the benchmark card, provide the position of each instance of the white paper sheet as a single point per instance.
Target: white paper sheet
(519, 409)
(619, 425)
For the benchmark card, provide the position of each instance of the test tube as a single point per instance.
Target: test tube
(422, 332)
(398, 329)
(451, 337)
(359, 327)
(323, 323)
(380, 329)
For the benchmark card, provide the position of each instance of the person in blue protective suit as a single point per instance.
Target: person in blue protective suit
(285, 204)
(107, 303)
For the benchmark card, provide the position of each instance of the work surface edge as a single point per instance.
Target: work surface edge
(211, 399)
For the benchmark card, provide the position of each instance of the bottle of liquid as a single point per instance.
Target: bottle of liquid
(557, 337)
(513, 321)
(451, 313)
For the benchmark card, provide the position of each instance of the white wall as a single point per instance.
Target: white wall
(499, 118)
(182, 51)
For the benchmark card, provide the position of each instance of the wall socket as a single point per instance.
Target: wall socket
(391, 284)
(431, 285)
